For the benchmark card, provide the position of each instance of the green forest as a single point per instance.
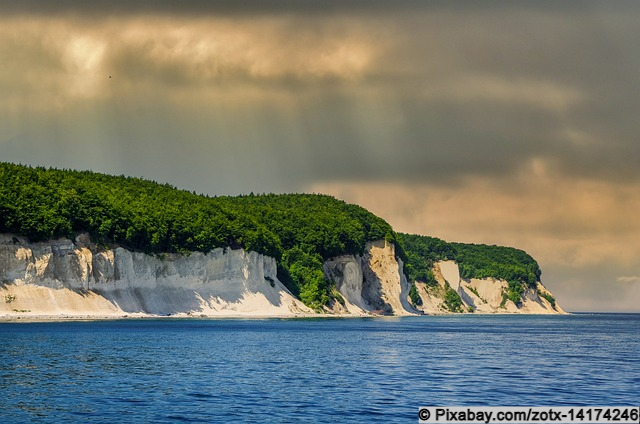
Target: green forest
(300, 230)
(515, 266)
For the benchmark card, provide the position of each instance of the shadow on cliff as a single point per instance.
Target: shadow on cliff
(148, 301)
(172, 300)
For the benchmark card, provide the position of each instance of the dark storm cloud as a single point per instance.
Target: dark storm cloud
(251, 7)
(199, 7)
(408, 90)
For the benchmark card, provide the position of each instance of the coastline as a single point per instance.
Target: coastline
(65, 280)
(6, 318)
(28, 317)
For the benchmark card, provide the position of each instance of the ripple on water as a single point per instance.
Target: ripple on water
(311, 370)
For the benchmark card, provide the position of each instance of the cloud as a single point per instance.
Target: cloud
(431, 93)
(548, 96)
(69, 57)
(629, 279)
(258, 7)
(562, 222)
(223, 50)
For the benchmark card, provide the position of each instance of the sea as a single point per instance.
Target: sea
(325, 370)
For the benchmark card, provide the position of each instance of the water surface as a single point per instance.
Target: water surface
(312, 370)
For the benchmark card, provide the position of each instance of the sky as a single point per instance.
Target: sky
(500, 122)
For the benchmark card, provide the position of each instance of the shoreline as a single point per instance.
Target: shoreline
(32, 318)
(141, 316)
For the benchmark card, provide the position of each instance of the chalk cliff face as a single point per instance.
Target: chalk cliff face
(63, 277)
(373, 282)
(480, 295)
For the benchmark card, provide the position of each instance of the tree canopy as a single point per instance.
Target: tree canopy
(515, 266)
(299, 230)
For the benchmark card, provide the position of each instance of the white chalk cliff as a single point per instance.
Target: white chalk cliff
(480, 295)
(61, 277)
(76, 278)
(373, 282)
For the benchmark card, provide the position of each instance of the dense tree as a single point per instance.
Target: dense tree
(300, 230)
(474, 260)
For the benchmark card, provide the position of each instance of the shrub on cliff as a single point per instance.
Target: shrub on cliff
(414, 296)
(452, 300)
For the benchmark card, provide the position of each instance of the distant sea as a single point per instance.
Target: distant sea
(312, 370)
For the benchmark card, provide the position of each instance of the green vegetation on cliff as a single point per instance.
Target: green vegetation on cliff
(474, 260)
(414, 296)
(420, 253)
(452, 300)
(299, 230)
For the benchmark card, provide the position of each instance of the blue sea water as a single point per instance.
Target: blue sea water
(312, 370)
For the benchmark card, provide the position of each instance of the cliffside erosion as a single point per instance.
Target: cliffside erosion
(61, 277)
(476, 295)
(77, 278)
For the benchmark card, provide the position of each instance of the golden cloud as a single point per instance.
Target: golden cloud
(561, 222)
(629, 279)
(493, 89)
(54, 58)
